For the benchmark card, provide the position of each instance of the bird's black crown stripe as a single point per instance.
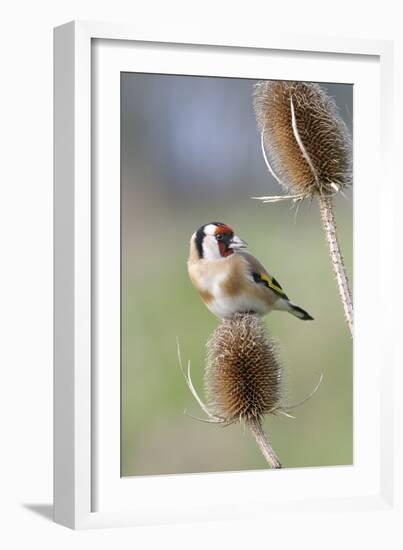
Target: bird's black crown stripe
(199, 241)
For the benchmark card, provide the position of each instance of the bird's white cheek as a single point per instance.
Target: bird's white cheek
(210, 249)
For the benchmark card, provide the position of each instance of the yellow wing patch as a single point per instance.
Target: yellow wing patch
(269, 282)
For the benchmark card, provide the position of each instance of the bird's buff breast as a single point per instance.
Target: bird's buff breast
(225, 288)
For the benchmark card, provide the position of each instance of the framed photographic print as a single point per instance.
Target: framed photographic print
(211, 200)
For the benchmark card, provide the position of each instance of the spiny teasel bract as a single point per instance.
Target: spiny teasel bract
(243, 378)
(306, 141)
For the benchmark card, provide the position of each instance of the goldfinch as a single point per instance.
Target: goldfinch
(229, 279)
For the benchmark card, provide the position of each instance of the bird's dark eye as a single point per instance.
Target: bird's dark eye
(219, 237)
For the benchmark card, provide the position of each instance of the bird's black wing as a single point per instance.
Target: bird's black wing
(261, 276)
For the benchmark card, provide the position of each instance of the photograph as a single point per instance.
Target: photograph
(236, 274)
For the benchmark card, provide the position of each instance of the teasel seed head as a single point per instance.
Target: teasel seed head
(243, 378)
(306, 142)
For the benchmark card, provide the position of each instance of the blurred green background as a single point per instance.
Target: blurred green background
(190, 155)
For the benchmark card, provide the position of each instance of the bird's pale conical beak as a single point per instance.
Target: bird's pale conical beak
(236, 243)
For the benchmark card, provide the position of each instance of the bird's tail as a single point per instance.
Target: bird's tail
(299, 312)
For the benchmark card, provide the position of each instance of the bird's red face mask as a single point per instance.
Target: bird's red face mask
(226, 240)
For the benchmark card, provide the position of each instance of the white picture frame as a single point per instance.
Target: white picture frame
(88, 490)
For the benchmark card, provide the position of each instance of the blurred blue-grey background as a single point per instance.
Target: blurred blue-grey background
(191, 154)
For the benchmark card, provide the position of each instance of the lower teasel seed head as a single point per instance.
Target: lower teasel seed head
(243, 378)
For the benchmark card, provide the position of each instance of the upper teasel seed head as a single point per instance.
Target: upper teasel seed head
(306, 142)
(243, 379)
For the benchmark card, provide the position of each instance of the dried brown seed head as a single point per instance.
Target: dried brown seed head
(243, 378)
(307, 143)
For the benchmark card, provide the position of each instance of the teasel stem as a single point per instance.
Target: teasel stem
(266, 449)
(329, 225)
